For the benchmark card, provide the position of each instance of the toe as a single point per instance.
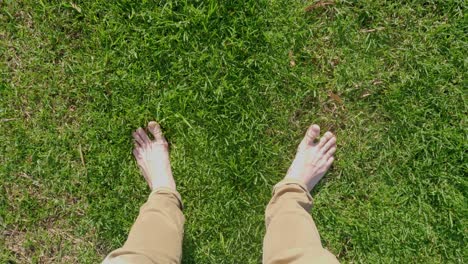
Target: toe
(144, 137)
(324, 140)
(138, 140)
(331, 143)
(155, 129)
(312, 134)
(329, 154)
(136, 153)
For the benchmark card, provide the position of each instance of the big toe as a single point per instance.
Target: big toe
(155, 129)
(312, 133)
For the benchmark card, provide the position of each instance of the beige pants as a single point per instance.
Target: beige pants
(291, 235)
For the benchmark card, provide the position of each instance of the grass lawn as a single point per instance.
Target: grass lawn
(234, 84)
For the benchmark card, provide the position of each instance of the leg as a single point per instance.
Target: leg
(157, 234)
(291, 235)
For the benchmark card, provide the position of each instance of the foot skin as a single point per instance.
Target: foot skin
(152, 157)
(313, 159)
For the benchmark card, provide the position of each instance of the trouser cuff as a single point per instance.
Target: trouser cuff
(292, 182)
(168, 191)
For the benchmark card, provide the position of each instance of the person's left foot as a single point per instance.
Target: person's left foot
(152, 157)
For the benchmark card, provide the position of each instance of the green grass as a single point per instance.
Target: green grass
(388, 77)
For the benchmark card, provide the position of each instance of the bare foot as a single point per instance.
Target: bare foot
(152, 157)
(313, 159)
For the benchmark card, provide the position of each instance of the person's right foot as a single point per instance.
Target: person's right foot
(313, 159)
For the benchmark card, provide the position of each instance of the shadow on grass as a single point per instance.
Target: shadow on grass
(188, 250)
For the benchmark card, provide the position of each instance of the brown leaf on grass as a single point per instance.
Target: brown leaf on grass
(7, 119)
(376, 82)
(318, 5)
(366, 94)
(335, 97)
(292, 62)
(76, 7)
(81, 155)
(334, 62)
(368, 30)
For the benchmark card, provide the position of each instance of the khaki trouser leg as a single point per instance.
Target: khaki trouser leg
(157, 234)
(291, 234)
